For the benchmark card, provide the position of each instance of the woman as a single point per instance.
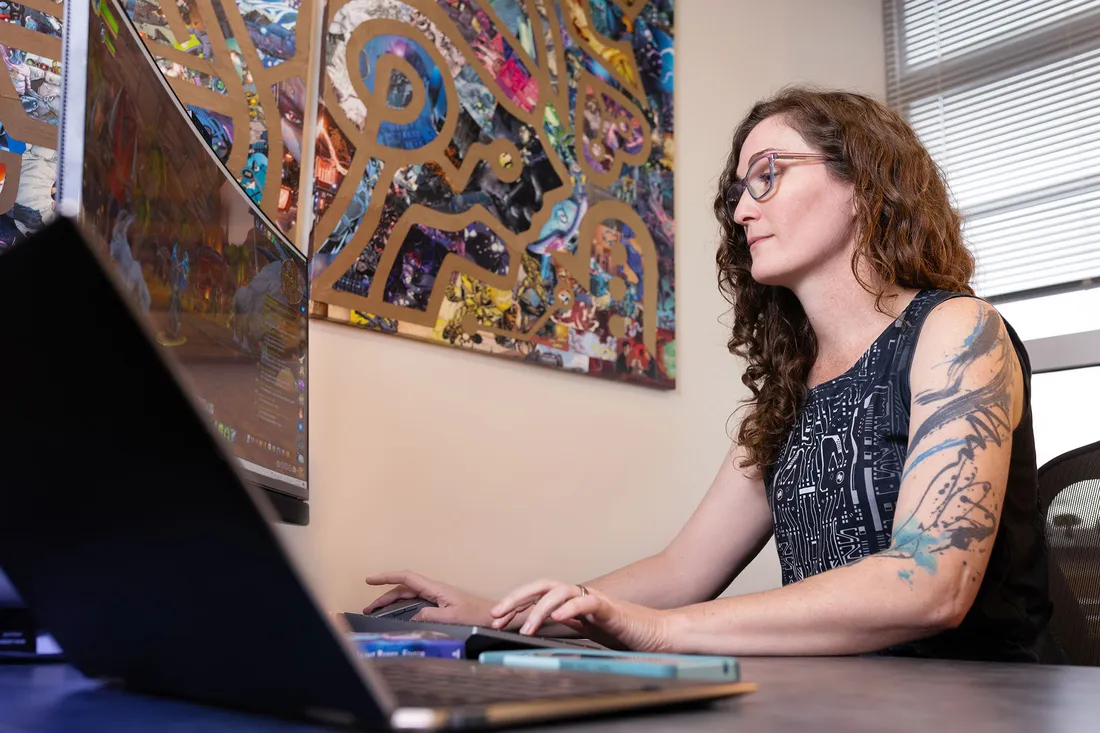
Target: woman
(887, 444)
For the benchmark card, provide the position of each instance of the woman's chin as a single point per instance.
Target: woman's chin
(768, 276)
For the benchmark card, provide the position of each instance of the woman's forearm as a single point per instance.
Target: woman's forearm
(849, 610)
(654, 581)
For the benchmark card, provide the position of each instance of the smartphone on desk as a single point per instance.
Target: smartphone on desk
(640, 664)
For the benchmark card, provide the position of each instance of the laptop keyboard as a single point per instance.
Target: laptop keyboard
(363, 623)
(436, 683)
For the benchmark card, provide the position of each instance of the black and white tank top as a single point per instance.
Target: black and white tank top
(834, 484)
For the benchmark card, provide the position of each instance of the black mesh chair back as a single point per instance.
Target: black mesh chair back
(1069, 496)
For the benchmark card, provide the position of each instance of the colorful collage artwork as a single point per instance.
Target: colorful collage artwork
(30, 102)
(493, 175)
(497, 175)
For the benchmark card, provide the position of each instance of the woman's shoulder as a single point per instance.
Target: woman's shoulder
(951, 331)
(933, 311)
(966, 345)
(947, 314)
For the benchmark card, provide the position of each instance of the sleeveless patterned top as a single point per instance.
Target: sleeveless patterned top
(835, 481)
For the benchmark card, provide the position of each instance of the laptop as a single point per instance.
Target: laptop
(132, 534)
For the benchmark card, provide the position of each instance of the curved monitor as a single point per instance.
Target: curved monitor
(223, 290)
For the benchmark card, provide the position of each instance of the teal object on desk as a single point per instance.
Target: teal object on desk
(639, 664)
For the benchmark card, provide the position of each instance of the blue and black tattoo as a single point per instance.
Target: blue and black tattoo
(954, 510)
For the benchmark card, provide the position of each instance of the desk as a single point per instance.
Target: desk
(825, 695)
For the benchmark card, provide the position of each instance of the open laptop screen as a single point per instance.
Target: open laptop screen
(220, 286)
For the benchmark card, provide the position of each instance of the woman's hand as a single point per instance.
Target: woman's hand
(615, 624)
(454, 606)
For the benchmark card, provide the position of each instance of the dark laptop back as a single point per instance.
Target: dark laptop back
(123, 522)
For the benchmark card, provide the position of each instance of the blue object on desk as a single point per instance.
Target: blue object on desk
(640, 664)
(409, 644)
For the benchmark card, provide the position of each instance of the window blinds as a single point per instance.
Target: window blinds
(1006, 96)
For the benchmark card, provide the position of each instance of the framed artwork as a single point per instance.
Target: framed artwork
(498, 176)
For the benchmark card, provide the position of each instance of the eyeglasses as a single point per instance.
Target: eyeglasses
(760, 177)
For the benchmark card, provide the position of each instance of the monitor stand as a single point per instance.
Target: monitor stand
(289, 509)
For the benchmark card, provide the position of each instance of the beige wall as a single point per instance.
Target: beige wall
(488, 473)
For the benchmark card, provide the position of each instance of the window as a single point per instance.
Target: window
(1065, 408)
(1006, 96)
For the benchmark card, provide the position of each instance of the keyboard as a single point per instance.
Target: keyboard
(426, 682)
(478, 638)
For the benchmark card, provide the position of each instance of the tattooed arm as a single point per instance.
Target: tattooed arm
(967, 397)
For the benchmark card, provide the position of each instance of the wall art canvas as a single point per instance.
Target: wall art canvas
(498, 176)
(30, 106)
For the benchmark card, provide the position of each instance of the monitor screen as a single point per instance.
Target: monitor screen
(221, 288)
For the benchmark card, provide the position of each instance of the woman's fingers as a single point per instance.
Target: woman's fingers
(546, 605)
(523, 596)
(503, 621)
(577, 607)
(507, 618)
(412, 580)
(499, 622)
(589, 615)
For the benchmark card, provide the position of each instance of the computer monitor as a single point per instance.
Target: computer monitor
(223, 290)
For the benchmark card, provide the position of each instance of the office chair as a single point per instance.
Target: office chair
(1069, 497)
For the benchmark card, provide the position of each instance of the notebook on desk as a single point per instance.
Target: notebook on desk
(129, 531)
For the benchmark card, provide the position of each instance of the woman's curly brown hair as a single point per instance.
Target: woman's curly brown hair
(908, 235)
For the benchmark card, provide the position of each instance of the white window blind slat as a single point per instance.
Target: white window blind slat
(1031, 247)
(935, 31)
(1005, 94)
(991, 139)
(1022, 238)
(1016, 242)
(1021, 105)
(1014, 217)
(1039, 46)
(1021, 174)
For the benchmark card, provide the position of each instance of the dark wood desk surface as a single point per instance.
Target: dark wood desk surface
(823, 695)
